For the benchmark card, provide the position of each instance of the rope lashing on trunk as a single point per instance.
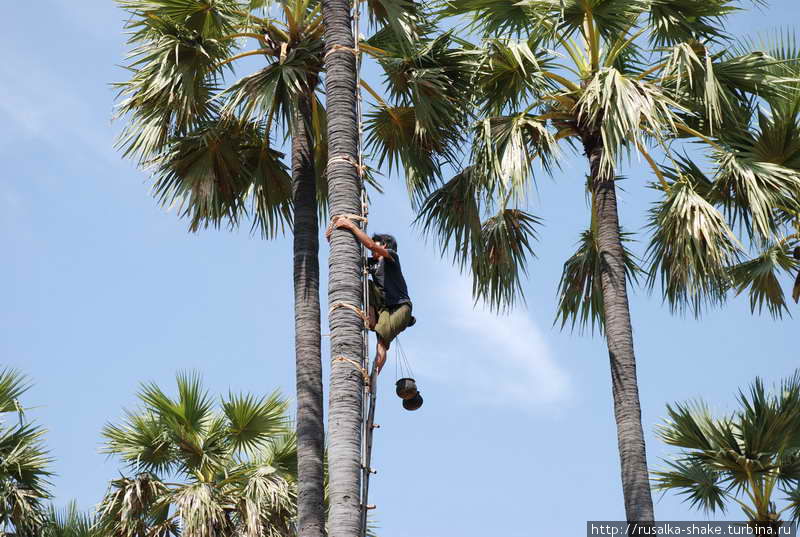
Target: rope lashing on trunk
(350, 160)
(364, 372)
(358, 311)
(349, 217)
(342, 48)
(370, 387)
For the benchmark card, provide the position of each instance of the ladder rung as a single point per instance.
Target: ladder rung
(369, 507)
(376, 426)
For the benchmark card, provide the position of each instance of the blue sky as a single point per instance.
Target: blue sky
(104, 289)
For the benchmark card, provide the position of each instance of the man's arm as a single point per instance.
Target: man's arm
(343, 222)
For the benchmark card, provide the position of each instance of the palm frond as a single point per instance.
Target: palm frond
(12, 385)
(273, 91)
(394, 138)
(691, 247)
(173, 79)
(500, 263)
(511, 73)
(281, 454)
(494, 17)
(695, 480)
(201, 508)
(752, 188)
(252, 422)
(401, 17)
(266, 502)
(507, 150)
(127, 506)
(141, 441)
(208, 18)
(761, 276)
(580, 289)
(69, 522)
(221, 171)
(452, 214)
(625, 110)
(674, 21)
(435, 78)
(24, 464)
(689, 426)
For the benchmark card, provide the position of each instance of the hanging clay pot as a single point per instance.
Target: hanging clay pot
(406, 388)
(413, 403)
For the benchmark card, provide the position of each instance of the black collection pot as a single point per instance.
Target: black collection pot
(406, 388)
(413, 403)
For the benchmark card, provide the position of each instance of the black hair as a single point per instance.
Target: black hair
(388, 240)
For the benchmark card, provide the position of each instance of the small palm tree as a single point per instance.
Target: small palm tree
(606, 79)
(748, 458)
(24, 463)
(194, 468)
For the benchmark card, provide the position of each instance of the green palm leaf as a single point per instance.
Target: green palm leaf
(452, 214)
(219, 171)
(673, 21)
(691, 246)
(580, 289)
(252, 422)
(70, 522)
(174, 78)
(500, 263)
(697, 481)
(761, 275)
(12, 385)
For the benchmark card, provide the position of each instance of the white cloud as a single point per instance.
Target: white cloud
(45, 108)
(489, 359)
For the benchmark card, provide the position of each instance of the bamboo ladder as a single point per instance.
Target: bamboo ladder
(368, 425)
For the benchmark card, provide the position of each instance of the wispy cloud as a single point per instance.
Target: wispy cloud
(489, 359)
(46, 110)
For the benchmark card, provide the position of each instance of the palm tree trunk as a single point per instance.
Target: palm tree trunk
(344, 284)
(619, 336)
(310, 425)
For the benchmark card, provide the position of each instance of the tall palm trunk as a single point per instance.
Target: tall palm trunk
(310, 426)
(619, 336)
(344, 283)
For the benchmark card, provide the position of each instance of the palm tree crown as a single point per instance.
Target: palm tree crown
(640, 77)
(195, 468)
(24, 462)
(747, 457)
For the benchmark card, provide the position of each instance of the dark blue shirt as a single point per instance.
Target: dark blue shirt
(388, 277)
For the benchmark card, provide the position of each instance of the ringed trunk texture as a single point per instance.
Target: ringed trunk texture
(308, 359)
(344, 283)
(619, 336)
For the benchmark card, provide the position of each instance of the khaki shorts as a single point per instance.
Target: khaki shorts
(391, 321)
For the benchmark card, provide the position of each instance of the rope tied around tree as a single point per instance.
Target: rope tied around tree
(360, 168)
(358, 311)
(355, 364)
(349, 217)
(342, 48)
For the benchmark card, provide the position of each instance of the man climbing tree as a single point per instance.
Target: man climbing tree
(390, 305)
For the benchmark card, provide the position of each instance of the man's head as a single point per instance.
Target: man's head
(387, 241)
